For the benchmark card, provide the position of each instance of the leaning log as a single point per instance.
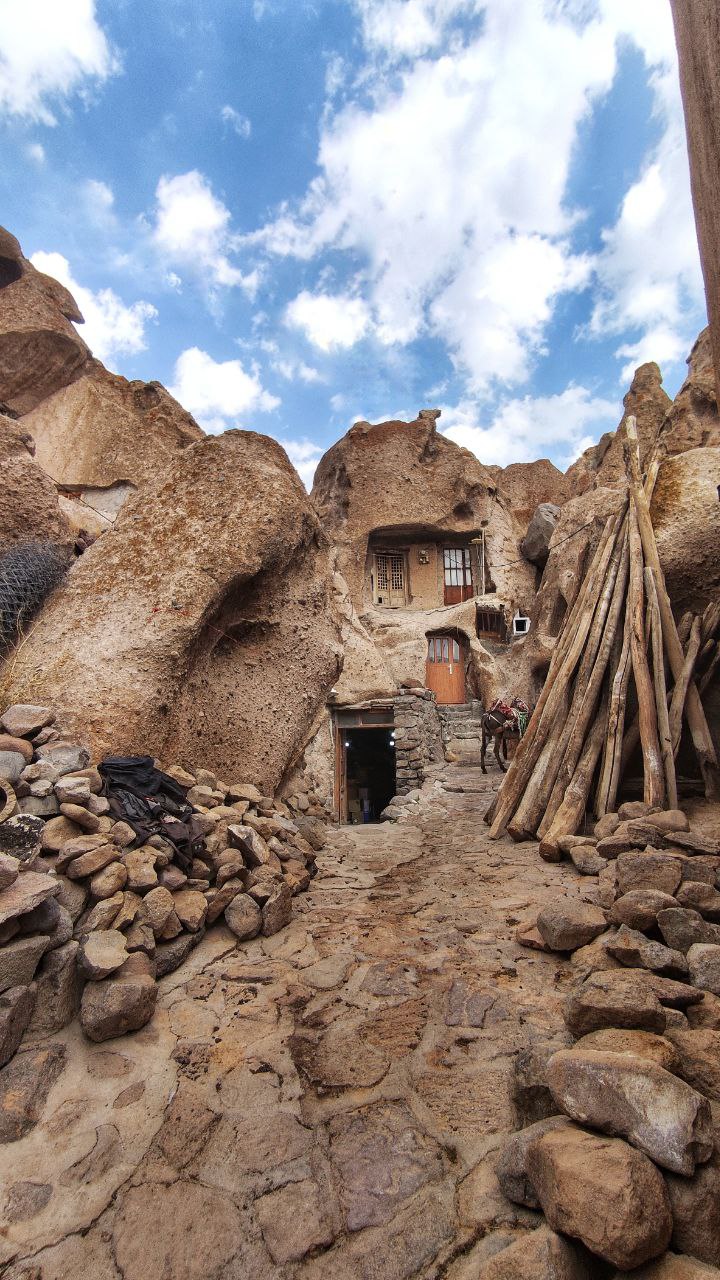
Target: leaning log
(571, 811)
(660, 686)
(679, 693)
(654, 783)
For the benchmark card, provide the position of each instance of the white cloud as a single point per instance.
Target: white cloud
(450, 188)
(650, 283)
(329, 322)
(462, 167)
(35, 151)
(525, 429)
(111, 328)
(219, 393)
(49, 50)
(192, 229)
(408, 28)
(304, 456)
(237, 122)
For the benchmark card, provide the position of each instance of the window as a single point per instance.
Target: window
(521, 625)
(491, 624)
(440, 649)
(389, 579)
(457, 567)
(458, 584)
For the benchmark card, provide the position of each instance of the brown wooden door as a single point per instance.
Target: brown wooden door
(445, 670)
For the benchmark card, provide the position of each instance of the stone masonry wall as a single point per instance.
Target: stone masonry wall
(418, 739)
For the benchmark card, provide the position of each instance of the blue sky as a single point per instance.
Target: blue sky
(298, 213)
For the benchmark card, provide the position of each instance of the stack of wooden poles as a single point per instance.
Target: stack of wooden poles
(620, 635)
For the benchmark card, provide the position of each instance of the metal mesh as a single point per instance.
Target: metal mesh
(28, 573)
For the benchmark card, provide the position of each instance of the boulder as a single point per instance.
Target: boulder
(586, 860)
(704, 964)
(101, 953)
(681, 927)
(276, 910)
(531, 1096)
(535, 546)
(157, 908)
(20, 958)
(191, 908)
(24, 720)
(26, 893)
(87, 864)
(21, 837)
(16, 745)
(109, 881)
(635, 1099)
(511, 1168)
(638, 1044)
(672, 1266)
(59, 987)
(698, 1052)
(40, 350)
(568, 924)
(601, 1002)
(537, 1255)
(220, 546)
(9, 870)
(639, 908)
(102, 433)
(170, 955)
(243, 916)
(16, 1008)
(602, 1192)
(695, 1204)
(649, 870)
(698, 895)
(634, 950)
(120, 1004)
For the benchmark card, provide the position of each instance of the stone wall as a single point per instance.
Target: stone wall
(418, 739)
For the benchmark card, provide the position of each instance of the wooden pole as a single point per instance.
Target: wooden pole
(571, 811)
(583, 710)
(701, 736)
(654, 785)
(562, 667)
(661, 705)
(679, 693)
(610, 774)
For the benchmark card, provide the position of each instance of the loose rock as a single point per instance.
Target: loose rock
(637, 1100)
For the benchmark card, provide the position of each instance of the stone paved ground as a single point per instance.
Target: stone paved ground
(323, 1104)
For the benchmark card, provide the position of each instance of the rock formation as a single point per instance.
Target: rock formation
(40, 350)
(697, 31)
(602, 465)
(29, 507)
(103, 436)
(205, 614)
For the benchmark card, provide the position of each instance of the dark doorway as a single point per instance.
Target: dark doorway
(370, 772)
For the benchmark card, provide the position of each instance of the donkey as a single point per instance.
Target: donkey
(496, 724)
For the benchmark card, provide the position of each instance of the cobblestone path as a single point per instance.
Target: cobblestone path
(321, 1105)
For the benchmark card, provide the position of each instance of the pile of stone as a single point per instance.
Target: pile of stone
(90, 918)
(619, 1145)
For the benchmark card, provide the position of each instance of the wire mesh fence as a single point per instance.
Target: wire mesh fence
(28, 573)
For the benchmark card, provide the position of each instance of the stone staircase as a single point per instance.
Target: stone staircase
(462, 731)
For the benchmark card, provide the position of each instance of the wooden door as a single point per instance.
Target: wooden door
(445, 670)
(457, 570)
(389, 579)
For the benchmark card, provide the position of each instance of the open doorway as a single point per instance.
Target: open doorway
(370, 771)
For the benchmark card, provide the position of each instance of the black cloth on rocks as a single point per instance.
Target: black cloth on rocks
(152, 803)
